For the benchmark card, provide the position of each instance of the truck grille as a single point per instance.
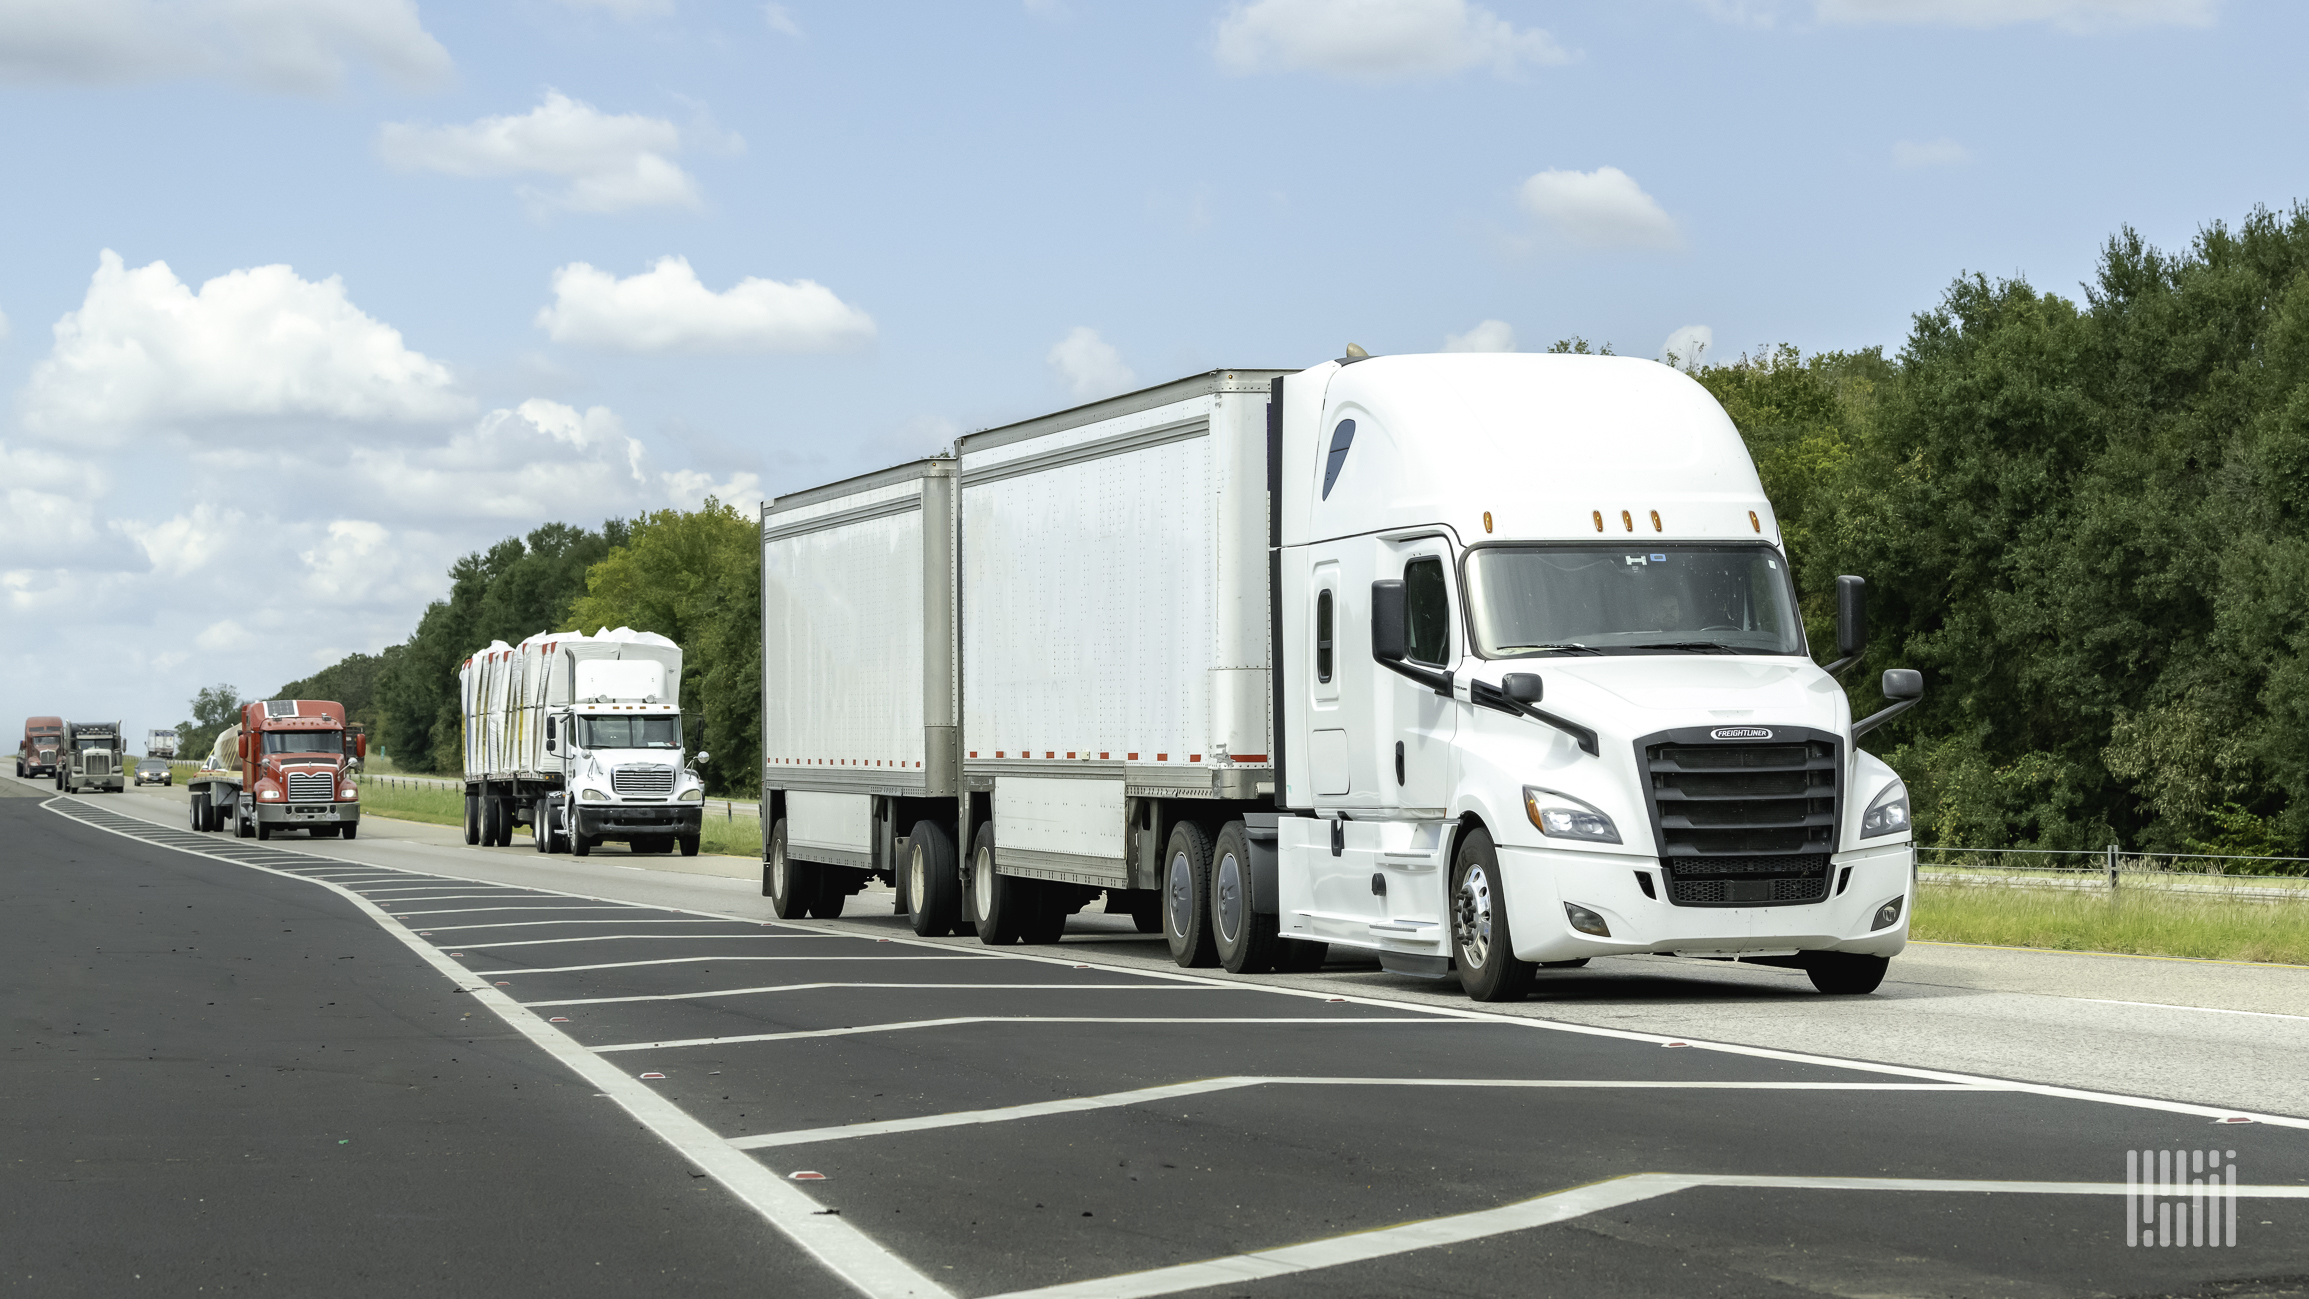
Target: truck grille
(312, 787)
(1743, 823)
(96, 764)
(642, 781)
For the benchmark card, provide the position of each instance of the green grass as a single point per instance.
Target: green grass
(738, 837)
(2140, 923)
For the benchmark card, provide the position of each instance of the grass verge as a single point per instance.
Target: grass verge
(436, 806)
(2141, 923)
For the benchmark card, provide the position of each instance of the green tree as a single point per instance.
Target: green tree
(213, 709)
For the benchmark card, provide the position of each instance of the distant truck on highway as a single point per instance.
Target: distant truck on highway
(160, 744)
(282, 766)
(1473, 664)
(36, 755)
(580, 738)
(90, 758)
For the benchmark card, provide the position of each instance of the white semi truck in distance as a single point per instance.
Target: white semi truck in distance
(160, 743)
(580, 738)
(1471, 663)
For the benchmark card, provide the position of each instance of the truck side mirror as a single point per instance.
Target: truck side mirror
(1851, 615)
(704, 756)
(1523, 687)
(552, 744)
(1390, 637)
(1903, 683)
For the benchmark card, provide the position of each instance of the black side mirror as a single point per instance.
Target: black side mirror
(1390, 637)
(1523, 687)
(1851, 616)
(1903, 683)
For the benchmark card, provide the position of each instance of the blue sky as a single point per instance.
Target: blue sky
(389, 281)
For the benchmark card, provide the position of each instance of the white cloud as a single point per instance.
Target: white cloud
(1378, 40)
(2069, 15)
(612, 162)
(667, 309)
(144, 349)
(1089, 365)
(299, 46)
(1487, 336)
(1687, 348)
(1604, 208)
(1913, 154)
(781, 20)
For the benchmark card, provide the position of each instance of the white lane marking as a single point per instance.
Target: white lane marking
(2201, 1010)
(1143, 1095)
(692, 960)
(811, 987)
(467, 911)
(1541, 1211)
(653, 938)
(527, 924)
(846, 1251)
(392, 895)
(901, 1025)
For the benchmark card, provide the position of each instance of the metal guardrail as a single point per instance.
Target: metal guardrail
(2114, 869)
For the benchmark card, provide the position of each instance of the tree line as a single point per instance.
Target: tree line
(2086, 520)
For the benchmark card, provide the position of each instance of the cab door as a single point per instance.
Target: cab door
(1418, 725)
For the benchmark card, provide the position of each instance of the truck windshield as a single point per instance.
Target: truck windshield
(630, 732)
(1659, 599)
(304, 741)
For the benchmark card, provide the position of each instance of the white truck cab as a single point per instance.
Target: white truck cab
(1550, 697)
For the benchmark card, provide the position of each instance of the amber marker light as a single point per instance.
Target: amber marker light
(1655, 520)
(1627, 520)
(1598, 519)
(1754, 522)
(1487, 521)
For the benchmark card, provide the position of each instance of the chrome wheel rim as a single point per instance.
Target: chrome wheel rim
(917, 876)
(778, 885)
(1471, 915)
(982, 882)
(1227, 893)
(1180, 913)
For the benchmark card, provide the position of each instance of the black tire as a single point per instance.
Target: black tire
(1186, 897)
(1581, 963)
(496, 825)
(199, 803)
(540, 838)
(1002, 906)
(933, 884)
(833, 891)
(472, 819)
(1846, 974)
(264, 831)
(1481, 944)
(580, 845)
(1299, 956)
(689, 845)
(1046, 922)
(792, 885)
(242, 829)
(350, 831)
(556, 838)
(1146, 910)
(1245, 939)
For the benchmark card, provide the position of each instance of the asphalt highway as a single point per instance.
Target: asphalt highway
(402, 1065)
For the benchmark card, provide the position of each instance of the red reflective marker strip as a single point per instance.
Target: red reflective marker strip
(808, 1177)
(653, 1075)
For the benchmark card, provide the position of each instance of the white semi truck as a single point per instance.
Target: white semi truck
(160, 744)
(1471, 663)
(580, 738)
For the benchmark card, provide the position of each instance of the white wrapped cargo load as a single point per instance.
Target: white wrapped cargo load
(505, 691)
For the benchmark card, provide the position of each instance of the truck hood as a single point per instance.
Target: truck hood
(1697, 689)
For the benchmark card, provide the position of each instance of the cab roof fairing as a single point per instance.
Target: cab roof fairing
(1542, 442)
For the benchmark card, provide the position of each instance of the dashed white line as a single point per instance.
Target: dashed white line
(654, 938)
(2199, 1010)
(902, 1025)
(693, 960)
(811, 987)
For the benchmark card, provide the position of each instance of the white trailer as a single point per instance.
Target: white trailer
(160, 744)
(1470, 663)
(580, 738)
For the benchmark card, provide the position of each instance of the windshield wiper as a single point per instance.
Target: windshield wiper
(1568, 647)
(1692, 647)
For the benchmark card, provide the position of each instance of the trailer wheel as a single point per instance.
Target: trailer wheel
(472, 819)
(933, 886)
(1245, 939)
(199, 801)
(1187, 896)
(833, 891)
(1298, 956)
(1480, 941)
(243, 824)
(1002, 905)
(1146, 910)
(1846, 974)
(792, 885)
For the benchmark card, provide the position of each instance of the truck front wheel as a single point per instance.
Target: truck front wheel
(1186, 886)
(933, 886)
(689, 845)
(1480, 940)
(1846, 974)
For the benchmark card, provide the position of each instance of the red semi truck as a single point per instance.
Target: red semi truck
(36, 756)
(282, 767)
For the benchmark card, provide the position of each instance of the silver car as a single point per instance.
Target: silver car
(155, 771)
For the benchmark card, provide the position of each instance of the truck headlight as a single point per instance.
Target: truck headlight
(352, 793)
(269, 793)
(592, 796)
(1887, 812)
(1560, 816)
(1886, 916)
(694, 794)
(1585, 921)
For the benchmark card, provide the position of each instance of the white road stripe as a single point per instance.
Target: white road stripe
(1144, 1095)
(613, 938)
(811, 987)
(900, 1025)
(2201, 1010)
(393, 895)
(526, 924)
(1541, 1211)
(467, 911)
(692, 960)
(846, 1251)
